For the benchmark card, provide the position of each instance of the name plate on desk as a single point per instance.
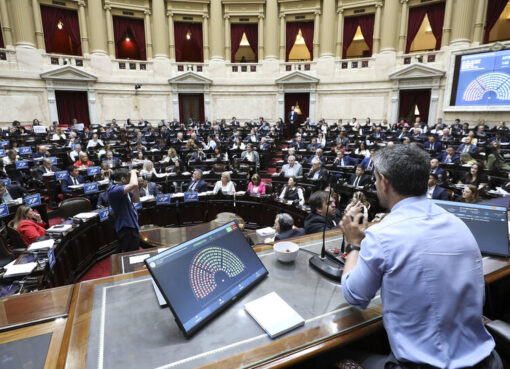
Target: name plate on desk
(190, 196)
(2, 152)
(163, 199)
(61, 175)
(53, 160)
(137, 205)
(7, 181)
(92, 171)
(51, 258)
(4, 210)
(33, 200)
(4, 143)
(22, 164)
(104, 214)
(25, 150)
(90, 187)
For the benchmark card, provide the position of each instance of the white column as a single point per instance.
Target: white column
(109, 31)
(447, 25)
(283, 35)
(91, 100)
(207, 101)
(175, 102)
(205, 35)
(340, 33)
(395, 94)
(316, 34)
(171, 35)
(148, 34)
(83, 27)
(5, 24)
(261, 36)
(281, 102)
(377, 29)
(434, 101)
(403, 26)
(39, 34)
(313, 99)
(228, 40)
(52, 102)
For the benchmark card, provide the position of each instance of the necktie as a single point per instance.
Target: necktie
(192, 187)
(356, 181)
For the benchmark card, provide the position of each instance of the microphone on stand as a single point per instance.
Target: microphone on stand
(331, 268)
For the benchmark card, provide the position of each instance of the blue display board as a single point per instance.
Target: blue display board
(484, 79)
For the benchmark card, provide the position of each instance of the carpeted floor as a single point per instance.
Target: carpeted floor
(100, 270)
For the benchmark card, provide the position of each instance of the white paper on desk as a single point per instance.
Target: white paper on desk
(46, 244)
(39, 129)
(138, 258)
(20, 269)
(86, 215)
(60, 228)
(161, 249)
(274, 315)
(76, 186)
(146, 198)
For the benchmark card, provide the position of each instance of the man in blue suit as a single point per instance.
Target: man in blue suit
(292, 117)
(432, 144)
(437, 170)
(283, 224)
(73, 178)
(343, 160)
(466, 146)
(147, 188)
(435, 191)
(197, 183)
(368, 162)
(449, 156)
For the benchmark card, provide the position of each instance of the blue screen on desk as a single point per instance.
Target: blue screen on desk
(488, 224)
(201, 276)
(484, 79)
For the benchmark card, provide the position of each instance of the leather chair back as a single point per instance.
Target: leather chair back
(72, 206)
(14, 237)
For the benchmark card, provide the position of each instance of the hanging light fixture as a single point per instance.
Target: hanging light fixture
(128, 39)
(60, 25)
(188, 35)
(297, 109)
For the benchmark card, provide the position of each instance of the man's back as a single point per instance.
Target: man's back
(432, 285)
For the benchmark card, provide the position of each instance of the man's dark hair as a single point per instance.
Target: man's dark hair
(120, 173)
(407, 168)
(71, 168)
(285, 221)
(359, 166)
(317, 200)
(3, 185)
(436, 177)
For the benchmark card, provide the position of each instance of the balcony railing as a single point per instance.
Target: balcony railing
(427, 57)
(190, 67)
(243, 67)
(356, 63)
(7, 56)
(128, 64)
(58, 59)
(304, 66)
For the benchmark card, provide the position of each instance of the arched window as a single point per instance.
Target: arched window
(61, 30)
(129, 36)
(299, 41)
(425, 28)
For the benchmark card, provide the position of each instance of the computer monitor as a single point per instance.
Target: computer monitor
(489, 225)
(201, 277)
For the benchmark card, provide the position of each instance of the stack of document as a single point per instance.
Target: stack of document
(46, 244)
(20, 269)
(86, 216)
(61, 228)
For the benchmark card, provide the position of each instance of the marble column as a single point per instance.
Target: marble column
(39, 34)
(327, 37)
(377, 29)
(447, 24)
(389, 31)
(159, 23)
(481, 7)
(171, 34)
(261, 37)
(339, 33)
(109, 28)
(271, 30)
(97, 27)
(283, 36)
(216, 31)
(148, 34)
(83, 27)
(228, 40)
(23, 27)
(316, 34)
(404, 16)
(205, 35)
(6, 28)
(463, 25)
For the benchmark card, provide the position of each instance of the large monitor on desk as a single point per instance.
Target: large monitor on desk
(489, 225)
(202, 276)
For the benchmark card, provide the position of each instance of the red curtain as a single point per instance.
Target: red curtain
(236, 34)
(436, 19)
(416, 16)
(307, 32)
(410, 98)
(252, 34)
(494, 10)
(132, 27)
(350, 27)
(72, 104)
(2, 45)
(69, 18)
(188, 50)
(366, 23)
(291, 34)
(423, 102)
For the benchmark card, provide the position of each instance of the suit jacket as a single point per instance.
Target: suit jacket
(323, 174)
(364, 180)
(196, 157)
(366, 162)
(378, 136)
(440, 172)
(442, 157)
(255, 155)
(16, 191)
(102, 200)
(471, 149)
(152, 189)
(200, 187)
(41, 170)
(440, 193)
(437, 146)
(292, 116)
(295, 232)
(66, 182)
(298, 146)
(347, 161)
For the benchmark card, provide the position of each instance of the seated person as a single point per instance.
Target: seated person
(256, 185)
(435, 191)
(263, 146)
(314, 145)
(139, 148)
(343, 160)
(75, 154)
(298, 143)
(449, 156)
(225, 185)
(198, 155)
(466, 146)
(436, 169)
(283, 225)
(467, 159)
(10, 193)
(42, 152)
(317, 172)
(432, 144)
(46, 167)
(147, 188)
(29, 224)
(148, 170)
(238, 144)
(251, 156)
(368, 162)
(318, 156)
(322, 214)
(83, 161)
(74, 178)
(291, 192)
(102, 200)
(475, 176)
(197, 184)
(495, 160)
(292, 169)
(106, 171)
(253, 137)
(94, 142)
(359, 199)
(469, 194)
(112, 160)
(210, 145)
(58, 135)
(359, 178)
(10, 157)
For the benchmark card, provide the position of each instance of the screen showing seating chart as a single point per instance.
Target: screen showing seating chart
(201, 276)
(483, 79)
(489, 225)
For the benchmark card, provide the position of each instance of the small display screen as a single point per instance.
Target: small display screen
(202, 276)
(489, 225)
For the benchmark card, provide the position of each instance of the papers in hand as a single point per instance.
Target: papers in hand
(274, 315)
(20, 269)
(46, 244)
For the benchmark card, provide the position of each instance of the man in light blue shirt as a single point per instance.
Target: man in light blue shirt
(429, 269)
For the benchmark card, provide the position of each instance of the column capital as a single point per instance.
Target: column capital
(261, 16)
(82, 3)
(169, 13)
(107, 7)
(404, 1)
(340, 11)
(379, 5)
(205, 16)
(282, 15)
(147, 12)
(317, 12)
(226, 16)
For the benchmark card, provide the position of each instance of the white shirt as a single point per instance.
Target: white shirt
(229, 189)
(430, 191)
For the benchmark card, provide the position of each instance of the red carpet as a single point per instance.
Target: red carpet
(100, 270)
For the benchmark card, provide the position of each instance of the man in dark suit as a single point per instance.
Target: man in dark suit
(198, 155)
(292, 117)
(435, 191)
(147, 188)
(343, 160)
(322, 213)
(378, 134)
(317, 172)
(359, 179)
(466, 146)
(283, 224)
(368, 162)
(73, 178)
(449, 156)
(46, 167)
(298, 143)
(432, 144)
(437, 170)
(197, 183)
(10, 193)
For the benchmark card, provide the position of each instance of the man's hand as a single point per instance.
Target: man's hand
(354, 232)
